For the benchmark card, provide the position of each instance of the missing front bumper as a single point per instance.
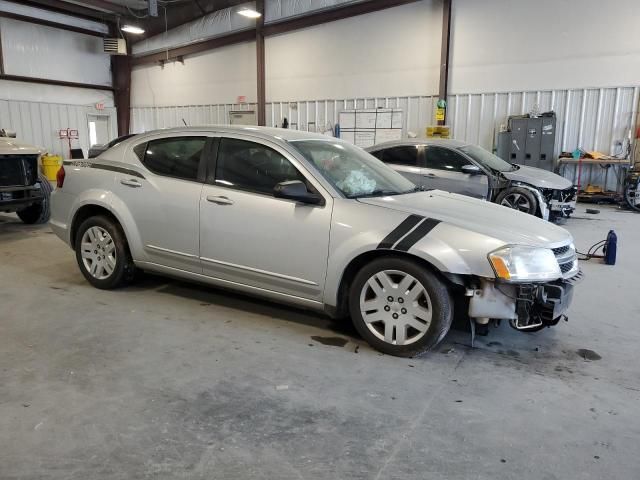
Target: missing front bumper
(528, 307)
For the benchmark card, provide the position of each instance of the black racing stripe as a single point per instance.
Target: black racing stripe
(400, 231)
(103, 166)
(111, 168)
(421, 230)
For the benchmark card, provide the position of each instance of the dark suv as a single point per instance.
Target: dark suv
(22, 189)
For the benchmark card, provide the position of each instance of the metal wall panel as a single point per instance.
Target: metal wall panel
(600, 119)
(38, 123)
(593, 119)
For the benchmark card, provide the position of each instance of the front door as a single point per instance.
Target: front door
(248, 236)
(164, 199)
(443, 171)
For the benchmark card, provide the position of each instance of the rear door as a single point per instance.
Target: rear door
(163, 198)
(405, 159)
(443, 171)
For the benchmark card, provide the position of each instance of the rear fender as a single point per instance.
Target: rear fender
(115, 206)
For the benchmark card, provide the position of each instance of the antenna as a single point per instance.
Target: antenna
(185, 123)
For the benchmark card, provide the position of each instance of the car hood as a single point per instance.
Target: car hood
(11, 146)
(538, 178)
(501, 223)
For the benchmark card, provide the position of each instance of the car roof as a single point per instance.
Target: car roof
(267, 133)
(418, 141)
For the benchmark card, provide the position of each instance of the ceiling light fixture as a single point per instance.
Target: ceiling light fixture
(247, 12)
(132, 29)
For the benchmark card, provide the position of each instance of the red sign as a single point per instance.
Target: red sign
(100, 106)
(242, 99)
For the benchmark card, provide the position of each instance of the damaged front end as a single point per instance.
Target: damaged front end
(528, 305)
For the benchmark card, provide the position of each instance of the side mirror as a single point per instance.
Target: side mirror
(471, 169)
(296, 190)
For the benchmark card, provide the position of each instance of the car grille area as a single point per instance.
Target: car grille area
(566, 195)
(18, 170)
(567, 259)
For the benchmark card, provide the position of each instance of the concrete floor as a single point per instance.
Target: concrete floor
(169, 380)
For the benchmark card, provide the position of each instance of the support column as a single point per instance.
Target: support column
(121, 81)
(260, 64)
(444, 55)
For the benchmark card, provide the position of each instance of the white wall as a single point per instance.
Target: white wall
(219, 76)
(37, 51)
(34, 12)
(516, 45)
(394, 52)
(37, 112)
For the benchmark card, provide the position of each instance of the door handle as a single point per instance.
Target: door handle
(131, 183)
(222, 200)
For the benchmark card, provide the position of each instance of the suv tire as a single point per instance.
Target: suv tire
(102, 253)
(519, 199)
(39, 212)
(399, 307)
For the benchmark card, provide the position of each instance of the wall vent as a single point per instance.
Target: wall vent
(115, 46)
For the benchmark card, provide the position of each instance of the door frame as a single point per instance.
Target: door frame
(105, 115)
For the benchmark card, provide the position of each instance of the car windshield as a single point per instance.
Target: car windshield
(352, 170)
(487, 159)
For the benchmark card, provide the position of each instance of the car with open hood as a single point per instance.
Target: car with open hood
(312, 221)
(468, 169)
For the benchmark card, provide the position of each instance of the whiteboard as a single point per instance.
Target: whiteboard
(383, 120)
(365, 119)
(388, 134)
(349, 136)
(365, 139)
(348, 120)
(396, 119)
(369, 127)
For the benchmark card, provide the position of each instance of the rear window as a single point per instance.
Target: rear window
(177, 157)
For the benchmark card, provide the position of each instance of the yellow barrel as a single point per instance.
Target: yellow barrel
(51, 165)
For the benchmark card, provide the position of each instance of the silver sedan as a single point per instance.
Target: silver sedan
(314, 222)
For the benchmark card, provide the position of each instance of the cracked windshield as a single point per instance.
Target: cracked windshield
(353, 171)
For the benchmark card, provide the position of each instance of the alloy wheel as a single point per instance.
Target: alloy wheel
(98, 252)
(395, 307)
(517, 202)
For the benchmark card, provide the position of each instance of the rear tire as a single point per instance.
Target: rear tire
(39, 212)
(519, 199)
(400, 308)
(102, 253)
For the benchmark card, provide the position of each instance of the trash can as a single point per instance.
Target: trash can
(50, 166)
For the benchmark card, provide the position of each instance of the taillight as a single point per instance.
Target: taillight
(60, 177)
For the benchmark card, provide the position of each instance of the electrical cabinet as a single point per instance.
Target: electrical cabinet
(529, 141)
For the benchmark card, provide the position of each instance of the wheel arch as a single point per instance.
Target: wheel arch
(348, 274)
(542, 209)
(86, 211)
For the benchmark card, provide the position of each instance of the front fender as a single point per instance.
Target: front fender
(542, 203)
(446, 247)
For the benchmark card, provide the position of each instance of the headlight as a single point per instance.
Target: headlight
(519, 263)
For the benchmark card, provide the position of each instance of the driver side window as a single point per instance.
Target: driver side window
(252, 167)
(441, 158)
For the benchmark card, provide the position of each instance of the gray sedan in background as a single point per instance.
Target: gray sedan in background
(467, 169)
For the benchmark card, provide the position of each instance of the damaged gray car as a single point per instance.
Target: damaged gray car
(470, 170)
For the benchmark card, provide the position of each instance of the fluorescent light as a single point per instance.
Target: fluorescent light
(247, 12)
(132, 29)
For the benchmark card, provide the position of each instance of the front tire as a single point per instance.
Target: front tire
(399, 307)
(103, 254)
(39, 212)
(519, 199)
